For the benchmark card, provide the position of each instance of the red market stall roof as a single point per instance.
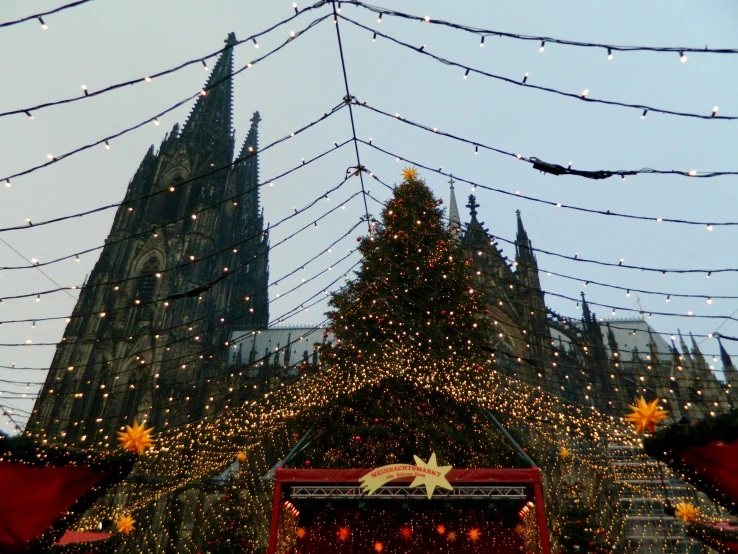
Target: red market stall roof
(44, 490)
(705, 453)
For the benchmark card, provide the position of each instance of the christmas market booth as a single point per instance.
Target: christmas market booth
(705, 453)
(405, 508)
(45, 489)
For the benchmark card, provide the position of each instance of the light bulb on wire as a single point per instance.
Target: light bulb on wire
(682, 57)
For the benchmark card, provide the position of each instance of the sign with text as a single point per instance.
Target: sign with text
(428, 474)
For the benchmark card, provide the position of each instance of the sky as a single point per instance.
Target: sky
(106, 42)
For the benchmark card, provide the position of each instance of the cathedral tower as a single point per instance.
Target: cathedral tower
(184, 263)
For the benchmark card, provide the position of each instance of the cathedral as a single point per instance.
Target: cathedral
(172, 325)
(600, 363)
(186, 260)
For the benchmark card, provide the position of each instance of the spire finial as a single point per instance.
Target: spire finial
(454, 219)
(472, 205)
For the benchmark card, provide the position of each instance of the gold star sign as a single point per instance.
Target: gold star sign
(125, 524)
(136, 438)
(646, 415)
(474, 534)
(441, 529)
(241, 457)
(565, 453)
(378, 547)
(406, 533)
(432, 475)
(687, 512)
(343, 534)
(451, 537)
(409, 174)
(301, 532)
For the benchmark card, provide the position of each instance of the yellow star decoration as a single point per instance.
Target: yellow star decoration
(519, 529)
(409, 174)
(136, 438)
(474, 534)
(451, 537)
(435, 476)
(687, 512)
(565, 453)
(441, 529)
(125, 524)
(646, 415)
(343, 534)
(378, 547)
(241, 457)
(406, 533)
(301, 532)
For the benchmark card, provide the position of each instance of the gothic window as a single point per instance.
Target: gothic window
(147, 284)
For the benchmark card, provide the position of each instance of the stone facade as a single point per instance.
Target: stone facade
(603, 364)
(186, 262)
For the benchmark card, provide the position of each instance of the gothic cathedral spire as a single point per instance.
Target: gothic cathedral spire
(209, 124)
(454, 220)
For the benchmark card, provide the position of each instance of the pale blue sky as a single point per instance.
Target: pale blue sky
(106, 42)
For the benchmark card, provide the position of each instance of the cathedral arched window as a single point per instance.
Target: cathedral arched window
(148, 283)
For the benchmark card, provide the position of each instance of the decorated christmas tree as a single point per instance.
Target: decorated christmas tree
(411, 332)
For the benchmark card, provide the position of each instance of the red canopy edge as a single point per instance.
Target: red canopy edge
(459, 476)
(73, 537)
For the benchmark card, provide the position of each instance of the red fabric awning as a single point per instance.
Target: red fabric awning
(33, 499)
(716, 463)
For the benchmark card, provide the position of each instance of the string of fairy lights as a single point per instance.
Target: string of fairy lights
(39, 16)
(523, 81)
(561, 170)
(29, 111)
(233, 247)
(53, 159)
(392, 12)
(267, 418)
